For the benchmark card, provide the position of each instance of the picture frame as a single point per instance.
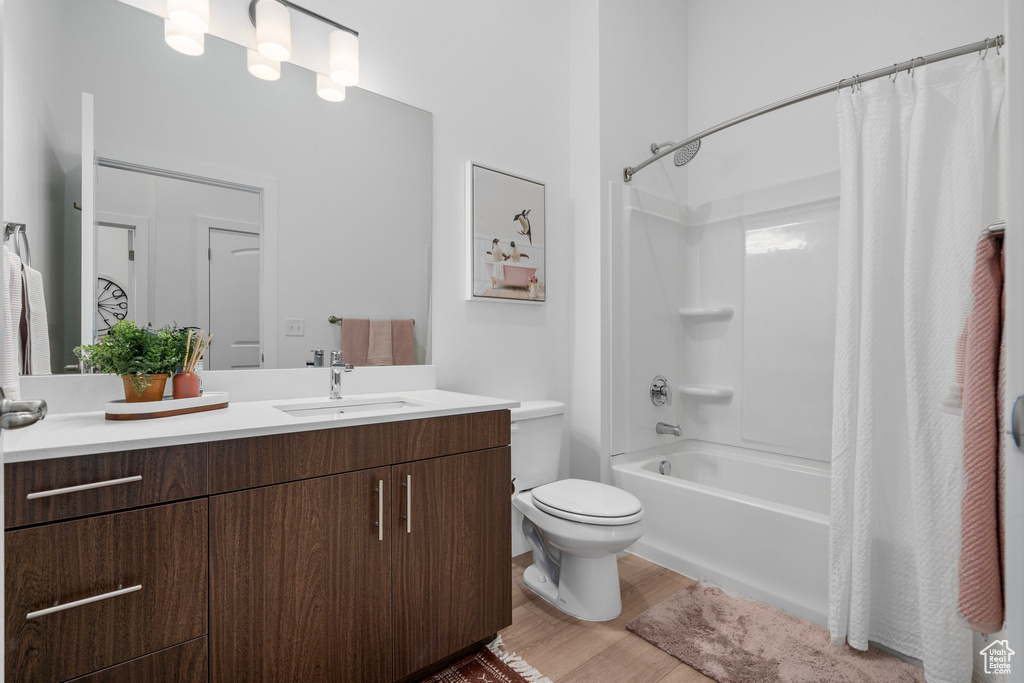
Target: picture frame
(507, 230)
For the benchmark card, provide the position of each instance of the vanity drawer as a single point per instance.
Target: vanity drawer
(153, 561)
(266, 460)
(61, 488)
(185, 663)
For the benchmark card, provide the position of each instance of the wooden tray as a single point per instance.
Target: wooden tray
(169, 407)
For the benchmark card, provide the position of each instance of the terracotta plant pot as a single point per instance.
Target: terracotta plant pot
(154, 391)
(185, 385)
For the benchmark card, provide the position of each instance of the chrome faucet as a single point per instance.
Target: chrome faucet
(666, 428)
(337, 367)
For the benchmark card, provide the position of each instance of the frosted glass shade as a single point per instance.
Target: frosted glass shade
(186, 42)
(344, 57)
(273, 30)
(191, 15)
(328, 89)
(261, 67)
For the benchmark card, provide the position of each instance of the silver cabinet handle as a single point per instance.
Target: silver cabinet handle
(408, 504)
(83, 601)
(380, 509)
(83, 487)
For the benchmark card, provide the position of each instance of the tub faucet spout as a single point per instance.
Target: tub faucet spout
(666, 428)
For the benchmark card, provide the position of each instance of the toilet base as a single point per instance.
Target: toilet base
(587, 588)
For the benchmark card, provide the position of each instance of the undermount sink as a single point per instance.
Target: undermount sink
(342, 407)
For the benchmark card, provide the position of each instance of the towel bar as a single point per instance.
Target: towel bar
(332, 319)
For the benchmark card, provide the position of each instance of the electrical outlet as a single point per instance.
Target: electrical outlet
(294, 327)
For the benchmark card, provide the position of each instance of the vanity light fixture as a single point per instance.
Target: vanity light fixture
(273, 30)
(263, 68)
(191, 15)
(274, 41)
(328, 89)
(191, 43)
(344, 57)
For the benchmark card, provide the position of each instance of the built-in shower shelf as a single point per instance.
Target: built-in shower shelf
(705, 391)
(707, 313)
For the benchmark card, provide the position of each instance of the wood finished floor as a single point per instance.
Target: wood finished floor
(572, 651)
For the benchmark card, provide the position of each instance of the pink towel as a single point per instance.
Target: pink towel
(355, 340)
(981, 590)
(403, 348)
(379, 351)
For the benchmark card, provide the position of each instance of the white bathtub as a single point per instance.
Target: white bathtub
(752, 522)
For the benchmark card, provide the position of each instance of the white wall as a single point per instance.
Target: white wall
(783, 48)
(34, 178)
(495, 76)
(644, 92)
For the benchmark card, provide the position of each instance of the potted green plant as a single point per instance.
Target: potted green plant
(144, 357)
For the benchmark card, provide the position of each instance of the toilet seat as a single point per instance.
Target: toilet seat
(588, 502)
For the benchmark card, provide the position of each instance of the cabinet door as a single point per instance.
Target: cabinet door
(90, 593)
(300, 581)
(451, 564)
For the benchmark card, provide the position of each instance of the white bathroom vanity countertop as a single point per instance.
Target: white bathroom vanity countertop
(83, 433)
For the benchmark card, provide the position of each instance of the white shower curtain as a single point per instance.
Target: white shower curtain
(920, 167)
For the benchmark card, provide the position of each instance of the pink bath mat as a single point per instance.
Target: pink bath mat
(733, 640)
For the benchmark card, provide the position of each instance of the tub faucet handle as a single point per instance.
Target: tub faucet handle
(661, 392)
(666, 428)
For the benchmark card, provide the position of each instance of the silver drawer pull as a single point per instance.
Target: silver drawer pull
(380, 509)
(408, 503)
(83, 487)
(83, 601)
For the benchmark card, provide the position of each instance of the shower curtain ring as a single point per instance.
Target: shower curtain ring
(984, 53)
(895, 73)
(913, 65)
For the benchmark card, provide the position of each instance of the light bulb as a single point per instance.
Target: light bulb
(273, 30)
(328, 89)
(191, 15)
(344, 57)
(186, 42)
(263, 68)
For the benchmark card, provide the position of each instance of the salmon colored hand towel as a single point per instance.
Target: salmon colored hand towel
(403, 348)
(379, 352)
(355, 340)
(981, 590)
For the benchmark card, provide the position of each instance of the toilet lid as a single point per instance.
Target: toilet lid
(578, 497)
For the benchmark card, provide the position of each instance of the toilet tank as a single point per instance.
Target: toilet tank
(536, 442)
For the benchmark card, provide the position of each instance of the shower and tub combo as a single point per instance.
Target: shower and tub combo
(850, 516)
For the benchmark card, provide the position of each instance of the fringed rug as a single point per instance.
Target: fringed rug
(733, 640)
(492, 664)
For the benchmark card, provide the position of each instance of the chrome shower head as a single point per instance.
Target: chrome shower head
(686, 154)
(683, 155)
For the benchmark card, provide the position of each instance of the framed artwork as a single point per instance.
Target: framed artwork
(506, 236)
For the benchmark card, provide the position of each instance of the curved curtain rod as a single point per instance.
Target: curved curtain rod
(629, 171)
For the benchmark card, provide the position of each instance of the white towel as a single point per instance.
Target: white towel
(38, 348)
(9, 363)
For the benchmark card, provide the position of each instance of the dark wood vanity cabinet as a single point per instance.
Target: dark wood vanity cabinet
(300, 583)
(361, 554)
(451, 574)
(156, 555)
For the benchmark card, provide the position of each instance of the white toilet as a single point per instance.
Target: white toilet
(574, 527)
